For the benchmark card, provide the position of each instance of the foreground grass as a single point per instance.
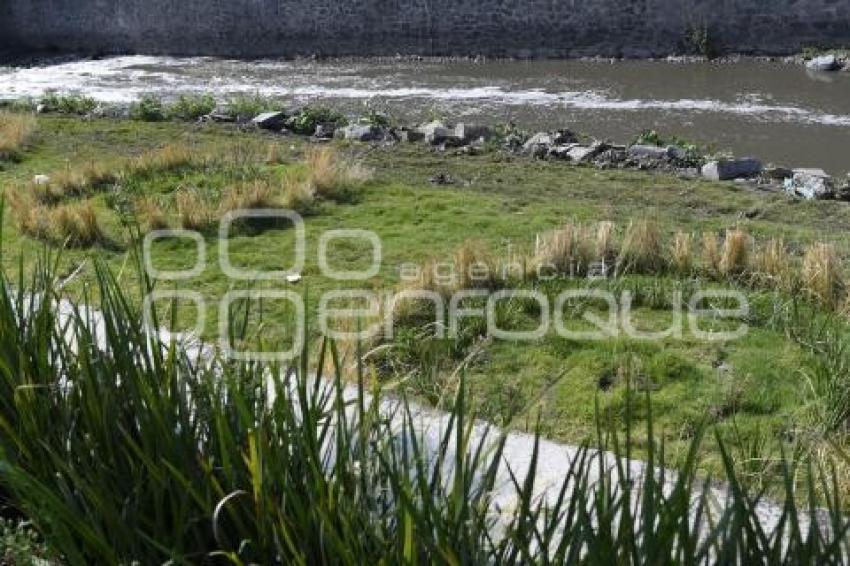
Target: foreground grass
(120, 448)
(779, 389)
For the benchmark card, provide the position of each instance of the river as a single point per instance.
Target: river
(778, 112)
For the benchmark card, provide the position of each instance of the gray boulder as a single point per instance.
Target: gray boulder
(811, 184)
(778, 173)
(563, 137)
(324, 131)
(585, 154)
(728, 169)
(824, 63)
(649, 152)
(561, 151)
(408, 135)
(468, 133)
(538, 145)
(359, 132)
(436, 133)
(273, 121)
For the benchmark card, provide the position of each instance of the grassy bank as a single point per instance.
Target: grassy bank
(782, 388)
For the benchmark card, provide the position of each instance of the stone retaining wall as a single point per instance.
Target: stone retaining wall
(523, 28)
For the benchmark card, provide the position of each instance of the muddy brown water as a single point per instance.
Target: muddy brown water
(779, 112)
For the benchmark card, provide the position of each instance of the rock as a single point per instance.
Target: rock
(649, 152)
(469, 133)
(514, 141)
(811, 184)
(219, 118)
(611, 158)
(584, 154)
(436, 133)
(563, 137)
(325, 131)
(538, 145)
(409, 136)
(843, 192)
(561, 151)
(778, 173)
(824, 63)
(441, 179)
(359, 132)
(273, 121)
(41, 180)
(728, 169)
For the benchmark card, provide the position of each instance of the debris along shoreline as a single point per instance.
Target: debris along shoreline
(649, 151)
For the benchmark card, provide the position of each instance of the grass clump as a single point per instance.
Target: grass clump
(151, 215)
(195, 212)
(298, 194)
(165, 159)
(73, 224)
(641, 251)
(333, 177)
(822, 275)
(734, 257)
(249, 195)
(569, 249)
(16, 131)
(772, 265)
(681, 254)
(77, 224)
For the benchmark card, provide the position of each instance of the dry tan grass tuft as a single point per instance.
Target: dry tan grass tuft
(569, 249)
(771, 265)
(32, 218)
(298, 194)
(822, 275)
(711, 255)
(474, 267)
(150, 215)
(195, 212)
(681, 254)
(77, 224)
(167, 158)
(275, 154)
(605, 240)
(16, 131)
(249, 195)
(332, 176)
(735, 254)
(642, 250)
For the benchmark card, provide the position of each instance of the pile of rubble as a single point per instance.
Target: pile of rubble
(565, 145)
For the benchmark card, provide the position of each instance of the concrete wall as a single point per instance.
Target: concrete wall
(522, 28)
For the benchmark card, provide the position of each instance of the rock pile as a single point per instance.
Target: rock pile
(565, 145)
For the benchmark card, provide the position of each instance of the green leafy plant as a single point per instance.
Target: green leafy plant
(191, 107)
(148, 108)
(305, 121)
(68, 104)
(250, 106)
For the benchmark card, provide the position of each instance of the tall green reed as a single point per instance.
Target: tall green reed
(120, 447)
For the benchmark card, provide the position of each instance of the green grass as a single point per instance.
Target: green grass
(124, 449)
(778, 389)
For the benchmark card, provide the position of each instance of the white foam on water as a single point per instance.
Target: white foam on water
(124, 79)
